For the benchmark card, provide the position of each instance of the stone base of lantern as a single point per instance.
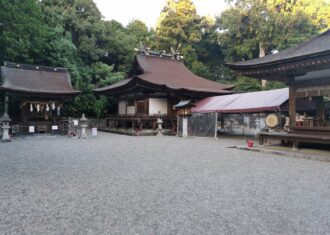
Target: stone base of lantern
(159, 133)
(5, 136)
(83, 131)
(160, 127)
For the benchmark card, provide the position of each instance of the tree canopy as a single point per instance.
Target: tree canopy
(180, 27)
(254, 28)
(97, 52)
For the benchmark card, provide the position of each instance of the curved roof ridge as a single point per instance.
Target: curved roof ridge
(317, 44)
(170, 73)
(173, 73)
(34, 79)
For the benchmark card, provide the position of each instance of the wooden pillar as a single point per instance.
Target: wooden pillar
(292, 105)
(262, 53)
(320, 115)
(261, 139)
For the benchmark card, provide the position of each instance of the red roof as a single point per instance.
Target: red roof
(245, 102)
(171, 73)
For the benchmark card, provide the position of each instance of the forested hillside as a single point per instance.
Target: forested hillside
(73, 34)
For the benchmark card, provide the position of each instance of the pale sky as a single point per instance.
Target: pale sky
(148, 11)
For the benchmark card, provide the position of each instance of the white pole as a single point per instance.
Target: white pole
(184, 127)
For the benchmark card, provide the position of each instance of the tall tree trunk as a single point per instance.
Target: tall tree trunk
(262, 53)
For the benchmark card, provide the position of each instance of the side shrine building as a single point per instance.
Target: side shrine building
(156, 82)
(306, 70)
(34, 96)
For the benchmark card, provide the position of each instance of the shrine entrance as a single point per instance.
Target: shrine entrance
(34, 97)
(36, 114)
(142, 107)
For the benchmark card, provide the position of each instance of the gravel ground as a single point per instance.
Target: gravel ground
(114, 184)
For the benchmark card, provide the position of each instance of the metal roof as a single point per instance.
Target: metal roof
(184, 104)
(245, 102)
(31, 79)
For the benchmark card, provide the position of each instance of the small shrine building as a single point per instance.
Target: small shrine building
(34, 96)
(305, 68)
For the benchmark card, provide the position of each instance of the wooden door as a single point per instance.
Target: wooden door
(141, 107)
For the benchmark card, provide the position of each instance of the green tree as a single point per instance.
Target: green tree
(22, 31)
(179, 27)
(104, 74)
(317, 11)
(139, 30)
(100, 106)
(123, 41)
(195, 37)
(209, 52)
(245, 84)
(178, 24)
(254, 28)
(84, 22)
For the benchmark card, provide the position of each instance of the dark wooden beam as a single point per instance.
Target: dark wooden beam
(292, 103)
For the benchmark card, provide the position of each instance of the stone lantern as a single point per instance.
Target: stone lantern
(5, 127)
(160, 123)
(184, 111)
(83, 124)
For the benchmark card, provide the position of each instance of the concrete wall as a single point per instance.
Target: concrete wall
(122, 107)
(157, 105)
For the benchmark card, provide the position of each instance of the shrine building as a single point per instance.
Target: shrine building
(156, 82)
(35, 95)
(305, 68)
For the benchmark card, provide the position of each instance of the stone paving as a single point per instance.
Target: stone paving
(115, 184)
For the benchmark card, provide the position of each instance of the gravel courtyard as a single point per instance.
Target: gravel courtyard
(114, 184)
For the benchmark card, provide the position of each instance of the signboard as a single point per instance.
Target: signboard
(94, 131)
(75, 122)
(31, 129)
(54, 128)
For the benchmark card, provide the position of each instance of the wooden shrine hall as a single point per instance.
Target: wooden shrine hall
(306, 70)
(156, 82)
(34, 96)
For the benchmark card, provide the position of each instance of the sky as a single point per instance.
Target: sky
(148, 11)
